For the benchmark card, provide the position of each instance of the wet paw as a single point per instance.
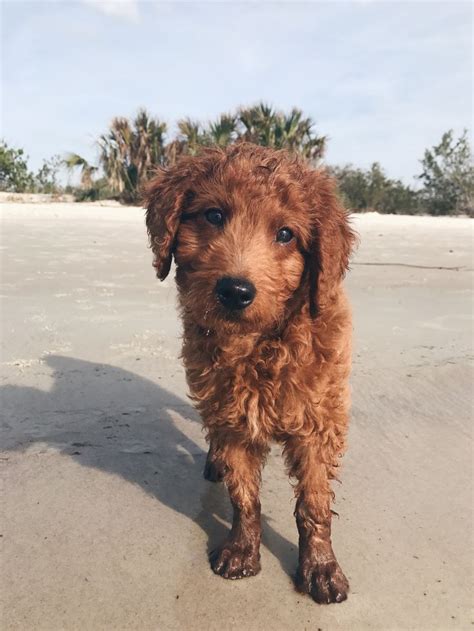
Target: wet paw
(324, 581)
(231, 560)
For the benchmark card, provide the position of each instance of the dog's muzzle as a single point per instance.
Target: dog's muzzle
(235, 294)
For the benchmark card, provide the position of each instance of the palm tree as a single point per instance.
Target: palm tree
(147, 142)
(263, 125)
(191, 136)
(114, 154)
(258, 124)
(223, 132)
(295, 133)
(130, 150)
(73, 161)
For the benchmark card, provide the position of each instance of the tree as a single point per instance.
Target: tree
(129, 151)
(46, 179)
(448, 176)
(131, 148)
(295, 133)
(74, 161)
(91, 187)
(352, 184)
(373, 190)
(191, 136)
(263, 125)
(223, 132)
(257, 124)
(14, 173)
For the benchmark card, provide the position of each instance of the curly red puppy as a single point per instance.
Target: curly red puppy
(261, 245)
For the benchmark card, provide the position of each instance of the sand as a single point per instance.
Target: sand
(106, 518)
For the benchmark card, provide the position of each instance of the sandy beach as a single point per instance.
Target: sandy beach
(106, 519)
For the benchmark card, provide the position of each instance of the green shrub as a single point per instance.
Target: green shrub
(14, 173)
(448, 177)
(373, 190)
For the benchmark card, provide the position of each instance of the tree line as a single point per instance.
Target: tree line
(131, 148)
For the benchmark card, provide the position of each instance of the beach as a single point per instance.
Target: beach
(107, 520)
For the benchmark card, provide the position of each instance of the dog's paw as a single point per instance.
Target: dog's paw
(323, 580)
(231, 560)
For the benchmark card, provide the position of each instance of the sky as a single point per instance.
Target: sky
(382, 80)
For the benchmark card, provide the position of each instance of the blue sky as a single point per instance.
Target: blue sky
(383, 80)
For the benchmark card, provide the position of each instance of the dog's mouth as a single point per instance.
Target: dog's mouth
(219, 315)
(217, 319)
(232, 316)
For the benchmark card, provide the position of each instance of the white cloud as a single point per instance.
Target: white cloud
(126, 9)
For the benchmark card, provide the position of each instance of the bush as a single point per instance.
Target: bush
(46, 179)
(448, 177)
(14, 173)
(16, 177)
(98, 189)
(373, 190)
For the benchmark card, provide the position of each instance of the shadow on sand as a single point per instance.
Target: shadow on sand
(116, 421)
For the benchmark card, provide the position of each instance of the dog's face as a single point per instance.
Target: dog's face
(239, 253)
(245, 227)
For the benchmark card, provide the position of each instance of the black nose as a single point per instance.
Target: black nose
(235, 293)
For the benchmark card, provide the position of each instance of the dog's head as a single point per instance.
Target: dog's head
(255, 233)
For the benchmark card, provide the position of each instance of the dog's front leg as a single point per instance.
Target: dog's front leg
(212, 471)
(319, 573)
(239, 555)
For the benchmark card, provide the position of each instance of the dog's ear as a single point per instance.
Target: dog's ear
(332, 240)
(163, 198)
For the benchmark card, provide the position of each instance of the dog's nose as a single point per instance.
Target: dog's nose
(235, 293)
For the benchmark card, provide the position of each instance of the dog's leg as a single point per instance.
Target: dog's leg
(239, 555)
(319, 573)
(213, 470)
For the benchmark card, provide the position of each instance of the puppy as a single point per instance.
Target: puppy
(261, 244)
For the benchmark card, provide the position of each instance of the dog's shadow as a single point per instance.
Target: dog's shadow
(111, 419)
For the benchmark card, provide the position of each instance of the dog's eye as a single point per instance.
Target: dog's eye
(284, 235)
(215, 216)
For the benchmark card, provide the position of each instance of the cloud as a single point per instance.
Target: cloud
(126, 9)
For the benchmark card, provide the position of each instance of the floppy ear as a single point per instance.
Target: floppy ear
(163, 199)
(332, 241)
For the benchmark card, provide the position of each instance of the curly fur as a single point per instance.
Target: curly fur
(279, 369)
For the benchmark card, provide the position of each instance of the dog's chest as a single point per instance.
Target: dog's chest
(265, 392)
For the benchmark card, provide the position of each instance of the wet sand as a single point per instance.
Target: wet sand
(106, 517)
